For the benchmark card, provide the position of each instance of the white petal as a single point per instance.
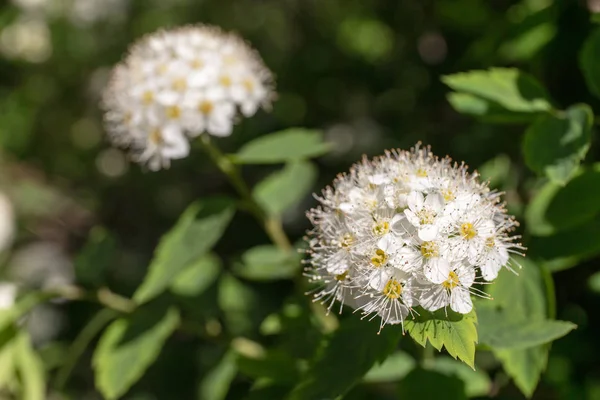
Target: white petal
(434, 298)
(466, 275)
(437, 270)
(435, 202)
(427, 233)
(415, 201)
(460, 300)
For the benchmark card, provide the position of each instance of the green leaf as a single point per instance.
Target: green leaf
(589, 62)
(579, 243)
(238, 302)
(129, 346)
(523, 297)
(555, 145)
(332, 373)
(275, 365)
(8, 359)
(499, 330)
(424, 384)
(445, 328)
(535, 213)
(510, 88)
(279, 147)
(197, 231)
(95, 257)
(267, 262)
(30, 368)
(529, 42)
(477, 383)
(196, 278)
(486, 110)
(215, 385)
(284, 189)
(394, 368)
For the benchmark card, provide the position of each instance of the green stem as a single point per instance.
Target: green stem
(428, 355)
(91, 330)
(271, 225)
(103, 297)
(550, 292)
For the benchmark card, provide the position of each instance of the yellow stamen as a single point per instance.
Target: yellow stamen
(452, 281)
(490, 242)
(206, 107)
(197, 64)
(248, 84)
(179, 84)
(156, 137)
(341, 277)
(426, 217)
(347, 241)
(148, 97)
(173, 112)
(380, 258)
(468, 231)
(225, 80)
(421, 173)
(381, 228)
(430, 249)
(392, 289)
(448, 195)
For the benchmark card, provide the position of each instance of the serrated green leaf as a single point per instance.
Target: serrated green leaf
(500, 330)
(555, 144)
(426, 384)
(267, 262)
(394, 368)
(589, 62)
(510, 88)
(30, 369)
(196, 278)
(215, 385)
(129, 346)
(477, 383)
(279, 147)
(523, 297)
(487, 110)
(95, 257)
(197, 231)
(331, 373)
(283, 189)
(445, 328)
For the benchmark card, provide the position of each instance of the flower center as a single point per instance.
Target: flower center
(148, 97)
(347, 241)
(380, 258)
(468, 231)
(452, 281)
(448, 195)
(381, 228)
(430, 249)
(162, 69)
(248, 84)
(392, 289)
(225, 81)
(426, 217)
(421, 173)
(342, 276)
(179, 84)
(206, 107)
(156, 137)
(197, 64)
(490, 242)
(173, 112)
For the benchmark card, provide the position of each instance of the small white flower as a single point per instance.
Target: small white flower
(406, 230)
(8, 294)
(180, 84)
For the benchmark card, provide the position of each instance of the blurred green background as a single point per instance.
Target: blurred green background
(365, 72)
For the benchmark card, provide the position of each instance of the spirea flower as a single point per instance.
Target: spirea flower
(407, 229)
(178, 84)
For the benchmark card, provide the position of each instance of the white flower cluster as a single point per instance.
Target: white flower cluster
(404, 230)
(178, 84)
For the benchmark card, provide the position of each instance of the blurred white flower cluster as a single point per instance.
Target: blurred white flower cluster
(404, 230)
(178, 84)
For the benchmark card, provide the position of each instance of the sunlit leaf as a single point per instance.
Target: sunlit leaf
(279, 147)
(487, 110)
(197, 277)
(510, 88)
(129, 346)
(267, 262)
(196, 232)
(394, 368)
(285, 188)
(555, 144)
(30, 368)
(457, 333)
(215, 384)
